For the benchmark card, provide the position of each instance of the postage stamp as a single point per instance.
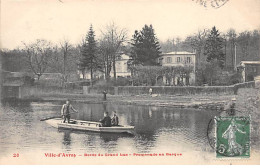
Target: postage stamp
(233, 136)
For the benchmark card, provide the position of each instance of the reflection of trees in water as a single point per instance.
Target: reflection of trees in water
(150, 121)
(22, 109)
(93, 140)
(91, 112)
(15, 103)
(66, 139)
(104, 107)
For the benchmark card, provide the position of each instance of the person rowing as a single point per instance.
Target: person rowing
(65, 111)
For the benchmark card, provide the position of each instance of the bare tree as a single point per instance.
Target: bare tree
(110, 45)
(38, 55)
(65, 47)
(197, 42)
(231, 35)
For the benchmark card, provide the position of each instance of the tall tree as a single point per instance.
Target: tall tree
(197, 43)
(66, 48)
(146, 48)
(214, 47)
(110, 45)
(89, 53)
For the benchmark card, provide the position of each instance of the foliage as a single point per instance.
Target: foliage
(214, 47)
(14, 60)
(64, 60)
(90, 60)
(149, 75)
(146, 48)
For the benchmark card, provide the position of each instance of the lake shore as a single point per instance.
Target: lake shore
(200, 101)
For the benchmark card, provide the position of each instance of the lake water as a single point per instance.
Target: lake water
(158, 129)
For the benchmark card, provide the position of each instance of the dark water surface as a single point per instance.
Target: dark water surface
(158, 129)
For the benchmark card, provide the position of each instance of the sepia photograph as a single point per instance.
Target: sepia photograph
(129, 82)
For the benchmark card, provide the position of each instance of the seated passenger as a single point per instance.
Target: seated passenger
(114, 120)
(106, 121)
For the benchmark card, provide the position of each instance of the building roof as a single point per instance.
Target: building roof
(249, 62)
(178, 53)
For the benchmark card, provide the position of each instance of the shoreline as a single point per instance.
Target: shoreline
(198, 101)
(213, 101)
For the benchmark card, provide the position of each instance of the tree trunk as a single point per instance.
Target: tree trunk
(38, 76)
(232, 54)
(91, 75)
(114, 67)
(83, 74)
(107, 69)
(225, 53)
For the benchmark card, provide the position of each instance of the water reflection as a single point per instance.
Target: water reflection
(156, 128)
(66, 138)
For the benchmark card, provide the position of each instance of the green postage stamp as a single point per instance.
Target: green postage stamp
(233, 136)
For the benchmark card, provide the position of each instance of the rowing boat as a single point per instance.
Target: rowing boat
(89, 126)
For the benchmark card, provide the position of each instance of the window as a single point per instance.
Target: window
(188, 60)
(169, 60)
(178, 59)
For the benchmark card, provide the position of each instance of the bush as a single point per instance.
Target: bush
(122, 81)
(104, 83)
(235, 78)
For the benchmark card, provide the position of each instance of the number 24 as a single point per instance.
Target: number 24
(16, 155)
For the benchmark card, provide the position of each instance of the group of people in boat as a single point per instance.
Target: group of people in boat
(107, 121)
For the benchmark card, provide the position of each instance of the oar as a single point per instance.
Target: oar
(44, 119)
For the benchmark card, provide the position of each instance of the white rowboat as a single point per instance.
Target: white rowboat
(89, 126)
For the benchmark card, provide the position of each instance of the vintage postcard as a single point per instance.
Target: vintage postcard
(132, 82)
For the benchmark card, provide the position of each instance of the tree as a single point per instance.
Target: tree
(38, 55)
(167, 46)
(197, 43)
(90, 59)
(214, 47)
(146, 48)
(65, 47)
(231, 34)
(244, 42)
(110, 46)
(14, 60)
(63, 60)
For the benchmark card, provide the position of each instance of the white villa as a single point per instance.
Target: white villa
(179, 59)
(121, 67)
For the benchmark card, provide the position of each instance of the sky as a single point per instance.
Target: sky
(56, 20)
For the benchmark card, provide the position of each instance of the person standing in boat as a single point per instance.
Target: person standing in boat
(65, 111)
(106, 121)
(115, 119)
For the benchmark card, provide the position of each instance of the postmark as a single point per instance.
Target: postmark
(232, 137)
(211, 3)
